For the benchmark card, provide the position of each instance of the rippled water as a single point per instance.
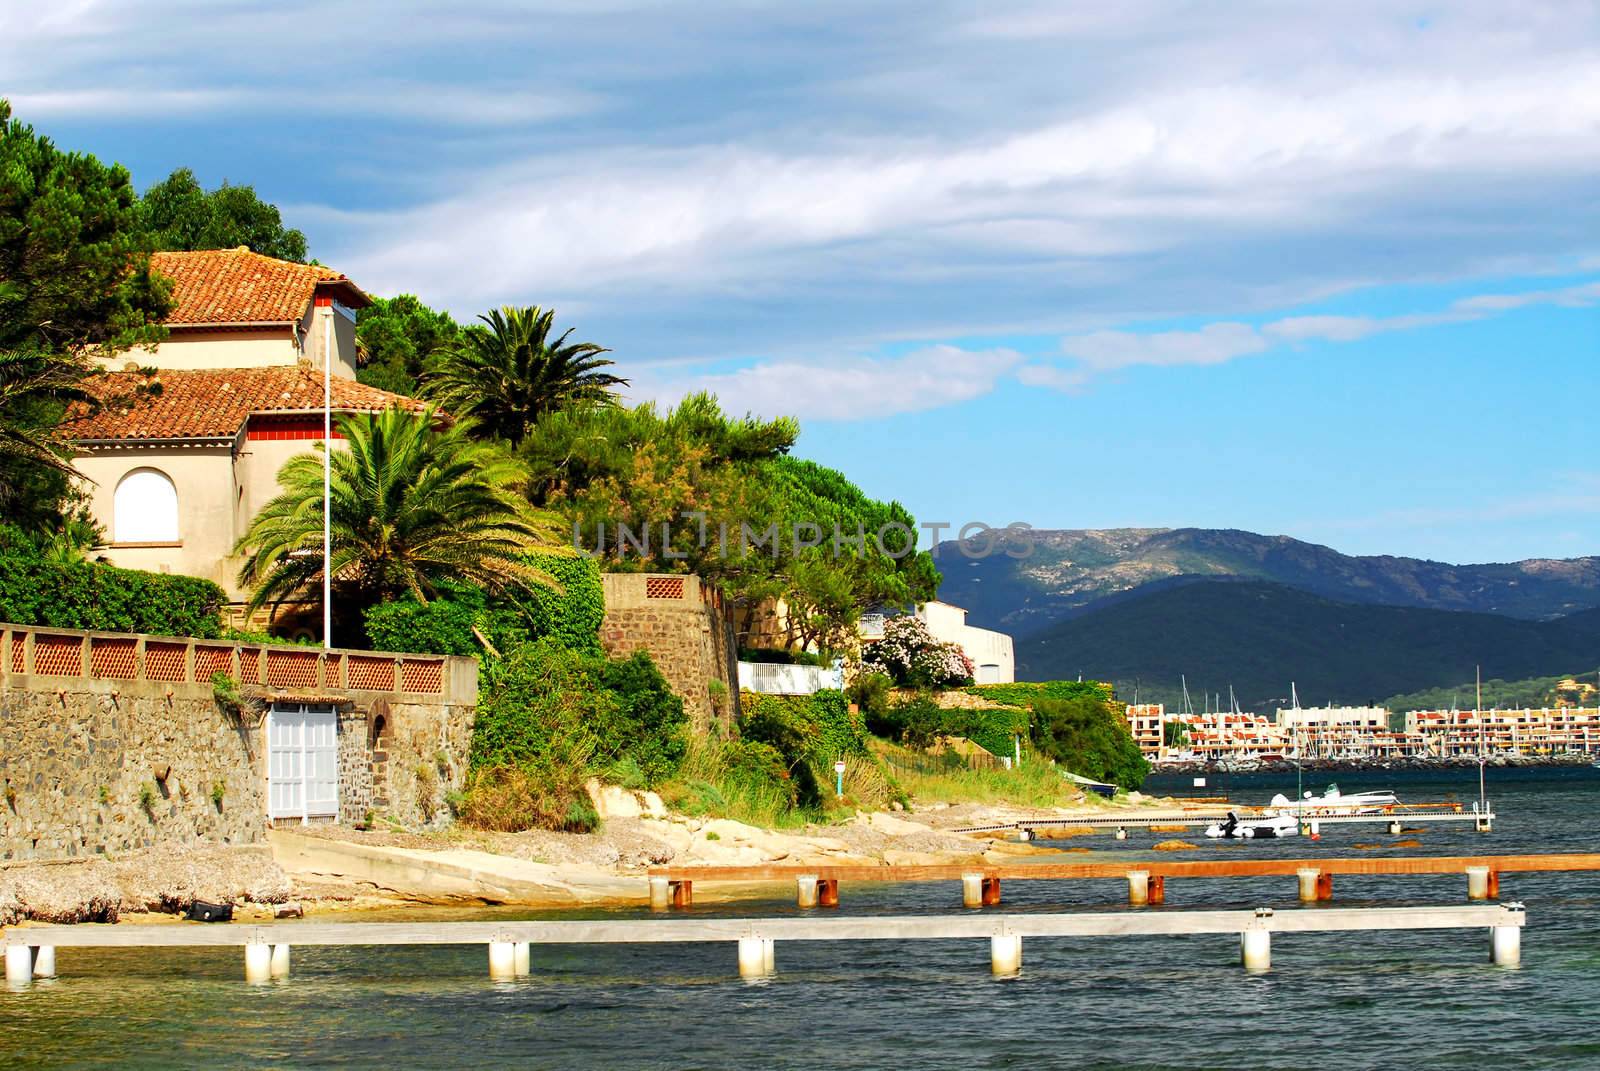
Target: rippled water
(1343, 1002)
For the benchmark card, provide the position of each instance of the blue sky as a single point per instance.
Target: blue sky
(1328, 273)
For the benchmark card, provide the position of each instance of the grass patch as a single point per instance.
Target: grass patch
(948, 779)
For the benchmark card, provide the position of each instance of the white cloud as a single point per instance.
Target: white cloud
(844, 390)
(1104, 351)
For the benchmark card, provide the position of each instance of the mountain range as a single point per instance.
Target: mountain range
(1142, 606)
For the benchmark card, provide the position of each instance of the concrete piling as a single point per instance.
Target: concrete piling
(660, 894)
(828, 892)
(1005, 953)
(991, 892)
(19, 964)
(972, 890)
(1122, 833)
(682, 893)
(279, 966)
(769, 949)
(522, 961)
(1255, 949)
(1394, 828)
(805, 890)
(1307, 877)
(44, 961)
(1505, 946)
(1325, 886)
(502, 960)
(1477, 883)
(1138, 887)
(753, 957)
(1158, 889)
(257, 962)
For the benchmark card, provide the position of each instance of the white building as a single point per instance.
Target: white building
(993, 660)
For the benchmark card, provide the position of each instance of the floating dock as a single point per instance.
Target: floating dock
(1395, 819)
(30, 951)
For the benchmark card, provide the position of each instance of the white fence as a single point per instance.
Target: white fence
(771, 678)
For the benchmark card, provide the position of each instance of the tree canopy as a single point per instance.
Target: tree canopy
(414, 505)
(509, 372)
(181, 214)
(400, 336)
(74, 277)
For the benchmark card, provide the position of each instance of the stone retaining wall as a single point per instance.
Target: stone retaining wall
(682, 623)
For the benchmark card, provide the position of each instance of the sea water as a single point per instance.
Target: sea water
(1339, 1001)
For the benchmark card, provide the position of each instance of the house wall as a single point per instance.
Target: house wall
(79, 745)
(344, 340)
(207, 489)
(682, 623)
(992, 653)
(190, 348)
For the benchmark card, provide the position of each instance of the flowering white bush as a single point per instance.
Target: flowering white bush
(909, 653)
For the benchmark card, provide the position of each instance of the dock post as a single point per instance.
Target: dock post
(1122, 833)
(1255, 949)
(805, 890)
(682, 893)
(1484, 822)
(1394, 828)
(502, 960)
(1505, 946)
(991, 892)
(828, 892)
(1324, 886)
(769, 953)
(522, 962)
(660, 894)
(1024, 835)
(279, 967)
(752, 957)
(1315, 827)
(1307, 876)
(19, 964)
(1158, 889)
(1477, 883)
(44, 961)
(257, 962)
(1138, 887)
(1494, 884)
(972, 890)
(1005, 953)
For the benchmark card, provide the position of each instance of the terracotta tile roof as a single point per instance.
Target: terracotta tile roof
(230, 286)
(214, 403)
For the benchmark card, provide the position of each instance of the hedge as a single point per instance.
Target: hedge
(919, 720)
(1027, 693)
(571, 616)
(817, 727)
(35, 590)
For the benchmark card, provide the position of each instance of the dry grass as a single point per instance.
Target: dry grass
(1034, 784)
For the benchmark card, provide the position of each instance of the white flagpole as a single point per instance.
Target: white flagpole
(327, 478)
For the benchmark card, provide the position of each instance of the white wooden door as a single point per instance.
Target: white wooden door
(302, 762)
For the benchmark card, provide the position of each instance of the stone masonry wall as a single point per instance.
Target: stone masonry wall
(682, 624)
(93, 765)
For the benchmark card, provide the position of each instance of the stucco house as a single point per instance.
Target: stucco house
(176, 474)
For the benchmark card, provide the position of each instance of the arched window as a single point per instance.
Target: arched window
(145, 509)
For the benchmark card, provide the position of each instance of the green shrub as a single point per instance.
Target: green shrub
(1026, 693)
(919, 721)
(538, 794)
(809, 733)
(1088, 736)
(36, 590)
(739, 779)
(777, 656)
(444, 625)
(870, 692)
(571, 616)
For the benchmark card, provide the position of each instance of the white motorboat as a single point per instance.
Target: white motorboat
(1253, 828)
(1332, 802)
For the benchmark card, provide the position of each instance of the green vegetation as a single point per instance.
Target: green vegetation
(179, 214)
(549, 717)
(147, 800)
(74, 276)
(1087, 736)
(37, 589)
(1027, 693)
(1259, 637)
(912, 658)
(949, 778)
(414, 505)
(510, 373)
(1533, 692)
(401, 335)
(920, 721)
(218, 792)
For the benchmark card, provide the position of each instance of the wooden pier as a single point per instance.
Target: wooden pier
(673, 886)
(30, 951)
(1394, 819)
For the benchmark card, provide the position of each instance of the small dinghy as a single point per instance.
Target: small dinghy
(200, 911)
(1252, 828)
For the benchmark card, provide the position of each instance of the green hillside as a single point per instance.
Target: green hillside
(1531, 692)
(1259, 637)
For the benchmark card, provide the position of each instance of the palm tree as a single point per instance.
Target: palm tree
(414, 503)
(508, 374)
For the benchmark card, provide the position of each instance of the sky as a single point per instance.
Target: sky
(1327, 271)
